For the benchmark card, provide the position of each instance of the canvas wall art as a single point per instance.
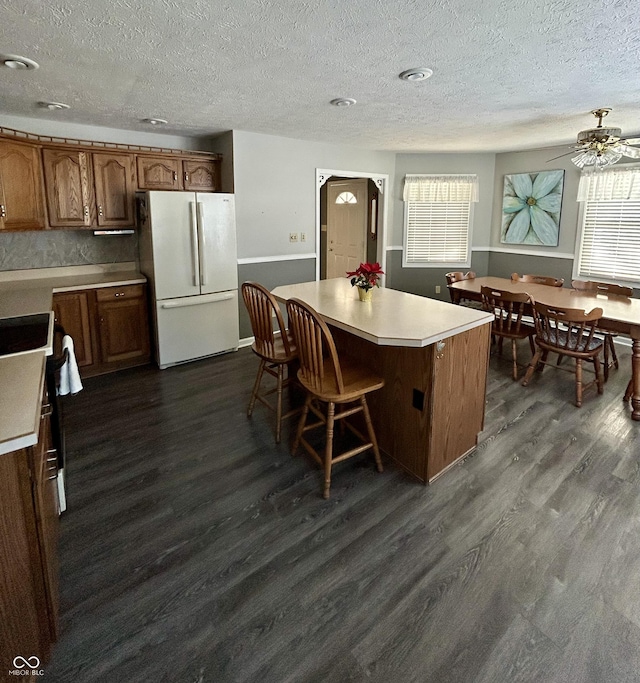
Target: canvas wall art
(531, 205)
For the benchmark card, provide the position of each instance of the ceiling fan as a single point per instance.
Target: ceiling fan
(601, 147)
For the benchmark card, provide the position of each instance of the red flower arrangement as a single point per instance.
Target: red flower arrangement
(366, 276)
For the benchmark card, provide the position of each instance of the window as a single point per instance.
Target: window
(346, 198)
(609, 241)
(438, 219)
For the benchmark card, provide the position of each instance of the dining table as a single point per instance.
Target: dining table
(620, 314)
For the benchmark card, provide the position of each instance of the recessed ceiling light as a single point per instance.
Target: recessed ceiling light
(419, 74)
(342, 102)
(155, 122)
(53, 106)
(17, 62)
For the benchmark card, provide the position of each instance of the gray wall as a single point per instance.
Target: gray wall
(275, 185)
(424, 281)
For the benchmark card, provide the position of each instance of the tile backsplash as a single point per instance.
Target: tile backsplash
(51, 248)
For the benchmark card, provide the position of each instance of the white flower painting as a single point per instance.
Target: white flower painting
(531, 208)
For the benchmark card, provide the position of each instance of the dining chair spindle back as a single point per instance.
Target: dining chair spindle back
(538, 279)
(610, 355)
(568, 332)
(508, 309)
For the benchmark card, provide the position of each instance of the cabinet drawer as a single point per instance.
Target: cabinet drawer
(116, 293)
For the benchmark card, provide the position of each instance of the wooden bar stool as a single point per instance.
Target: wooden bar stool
(329, 382)
(275, 348)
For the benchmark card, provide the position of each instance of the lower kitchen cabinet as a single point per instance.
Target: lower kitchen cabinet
(72, 311)
(123, 324)
(29, 508)
(109, 326)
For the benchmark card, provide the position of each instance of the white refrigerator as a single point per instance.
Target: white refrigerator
(188, 253)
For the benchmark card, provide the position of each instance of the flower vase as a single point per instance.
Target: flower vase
(365, 294)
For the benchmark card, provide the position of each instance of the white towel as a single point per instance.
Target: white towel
(70, 382)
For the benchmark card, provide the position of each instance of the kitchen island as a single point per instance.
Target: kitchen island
(433, 357)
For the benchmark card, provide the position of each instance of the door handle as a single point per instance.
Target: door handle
(203, 250)
(194, 244)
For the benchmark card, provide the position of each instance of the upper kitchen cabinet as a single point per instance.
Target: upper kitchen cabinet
(179, 173)
(159, 173)
(201, 175)
(21, 197)
(86, 189)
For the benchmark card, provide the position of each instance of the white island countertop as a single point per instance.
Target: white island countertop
(392, 318)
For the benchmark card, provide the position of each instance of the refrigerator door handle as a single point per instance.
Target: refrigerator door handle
(198, 300)
(203, 248)
(194, 244)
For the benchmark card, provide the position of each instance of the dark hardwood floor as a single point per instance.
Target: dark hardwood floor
(195, 549)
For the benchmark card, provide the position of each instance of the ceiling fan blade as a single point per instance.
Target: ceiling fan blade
(632, 152)
(573, 151)
(631, 141)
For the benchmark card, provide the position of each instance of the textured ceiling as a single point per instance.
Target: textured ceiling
(508, 74)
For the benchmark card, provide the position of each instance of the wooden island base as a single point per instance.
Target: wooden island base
(431, 408)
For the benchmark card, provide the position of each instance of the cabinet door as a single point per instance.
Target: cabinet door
(47, 509)
(158, 173)
(71, 310)
(67, 186)
(21, 201)
(200, 175)
(114, 183)
(123, 323)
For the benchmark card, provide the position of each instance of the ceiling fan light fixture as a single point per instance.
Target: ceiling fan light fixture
(420, 73)
(19, 63)
(343, 102)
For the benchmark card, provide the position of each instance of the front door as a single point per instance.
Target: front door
(346, 225)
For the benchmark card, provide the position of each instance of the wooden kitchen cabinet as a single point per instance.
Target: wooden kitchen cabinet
(72, 310)
(89, 189)
(29, 510)
(109, 326)
(164, 173)
(123, 326)
(159, 173)
(21, 194)
(201, 175)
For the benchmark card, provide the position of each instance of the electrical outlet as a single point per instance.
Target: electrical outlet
(437, 289)
(303, 236)
(293, 237)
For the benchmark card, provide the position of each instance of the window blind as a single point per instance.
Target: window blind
(438, 213)
(438, 232)
(610, 244)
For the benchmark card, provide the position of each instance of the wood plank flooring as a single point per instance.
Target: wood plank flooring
(194, 549)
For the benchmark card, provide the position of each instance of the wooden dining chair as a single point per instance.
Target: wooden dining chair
(538, 279)
(567, 332)
(273, 346)
(330, 382)
(605, 288)
(457, 276)
(508, 309)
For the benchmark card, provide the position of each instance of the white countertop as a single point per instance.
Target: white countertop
(21, 381)
(22, 375)
(393, 318)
